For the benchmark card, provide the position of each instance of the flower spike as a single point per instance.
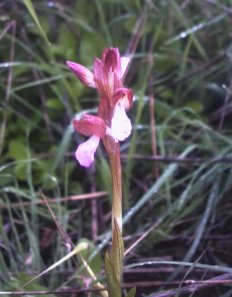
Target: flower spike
(111, 123)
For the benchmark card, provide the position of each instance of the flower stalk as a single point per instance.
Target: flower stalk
(115, 167)
(117, 249)
(111, 125)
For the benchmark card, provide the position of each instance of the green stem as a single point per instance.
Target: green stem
(115, 164)
(114, 259)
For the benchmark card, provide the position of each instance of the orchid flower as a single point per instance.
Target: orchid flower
(111, 120)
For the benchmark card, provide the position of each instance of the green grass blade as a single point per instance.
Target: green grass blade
(33, 14)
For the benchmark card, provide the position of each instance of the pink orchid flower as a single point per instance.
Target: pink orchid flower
(111, 120)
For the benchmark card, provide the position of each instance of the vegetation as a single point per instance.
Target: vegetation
(176, 165)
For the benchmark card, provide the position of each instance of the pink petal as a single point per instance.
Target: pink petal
(86, 150)
(104, 79)
(120, 124)
(111, 59)
(124, 97)
(83, 73)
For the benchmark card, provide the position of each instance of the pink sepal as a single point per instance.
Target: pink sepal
(83, 73)
(90, 125)
(112, 61)
(104, 79)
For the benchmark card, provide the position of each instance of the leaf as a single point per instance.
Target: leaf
(23, 277)
(31, 10)
(195, 105)
(117, 251)
(131, 293)
(55, 104)
(94, 263)
(113, 284)
(38, 170)
(17, 149)
(113, 263)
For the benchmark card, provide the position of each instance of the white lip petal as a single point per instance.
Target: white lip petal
(120, 124)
